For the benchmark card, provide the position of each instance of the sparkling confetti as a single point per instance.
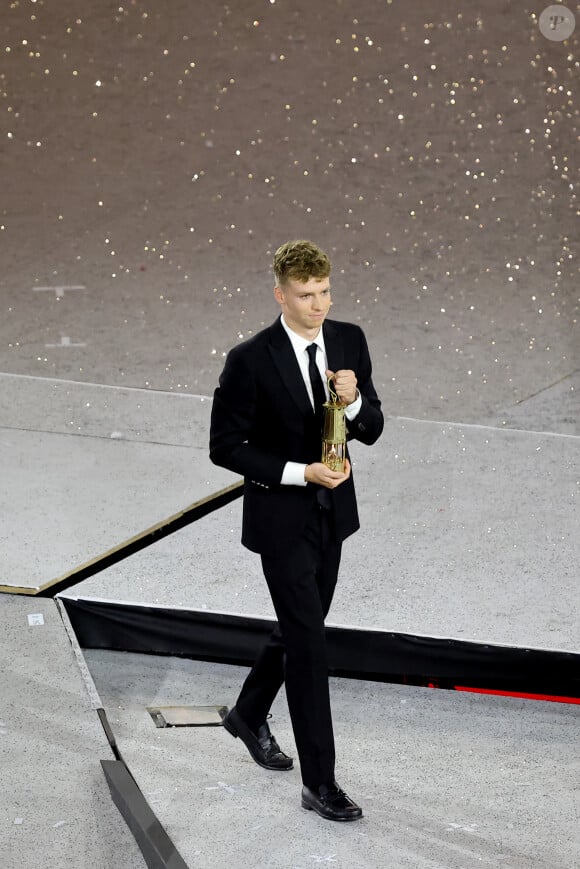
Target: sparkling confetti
(418, 158)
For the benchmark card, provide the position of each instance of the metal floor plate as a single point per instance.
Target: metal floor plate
(187, 716)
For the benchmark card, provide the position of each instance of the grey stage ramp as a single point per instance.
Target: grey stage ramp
(55, 805)
(467, 532)
(446, 780)
(85, 469)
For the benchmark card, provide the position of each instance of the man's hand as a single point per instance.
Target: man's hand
(322, 475)
(344, 384)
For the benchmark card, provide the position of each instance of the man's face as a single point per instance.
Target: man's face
(304, 305)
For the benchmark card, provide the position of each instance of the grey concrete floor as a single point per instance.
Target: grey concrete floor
(466, 531)
(86, 469)
(446, 780)
(55, 807)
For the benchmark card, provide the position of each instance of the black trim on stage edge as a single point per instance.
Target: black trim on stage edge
(141, 541)
(157, 848)
(375, 655)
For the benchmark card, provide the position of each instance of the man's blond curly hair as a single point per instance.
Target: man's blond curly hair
(300, 261)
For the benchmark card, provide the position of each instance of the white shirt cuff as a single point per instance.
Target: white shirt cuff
(351, 410)
(293, 474)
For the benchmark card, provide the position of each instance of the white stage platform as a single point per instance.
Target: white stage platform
(446, 780)
(85, 469)
(466, 532)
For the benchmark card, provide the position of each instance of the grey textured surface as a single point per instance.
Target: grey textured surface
(159, 159)
(446, 780)
(55, 807)
(466, 532)
(93, 410)
(67, 500)
(555, 409)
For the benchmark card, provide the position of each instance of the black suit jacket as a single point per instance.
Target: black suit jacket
(262, 418)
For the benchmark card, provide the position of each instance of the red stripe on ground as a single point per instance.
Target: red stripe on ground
(526, 696)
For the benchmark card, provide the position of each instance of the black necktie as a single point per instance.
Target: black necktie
(316, 381)
(322, 495)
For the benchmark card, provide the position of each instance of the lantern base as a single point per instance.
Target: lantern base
(333, 456)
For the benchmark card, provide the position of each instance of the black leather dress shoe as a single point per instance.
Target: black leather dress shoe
(330, 802)
(262, 746)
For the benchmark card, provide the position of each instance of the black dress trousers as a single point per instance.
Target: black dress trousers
(301, 583)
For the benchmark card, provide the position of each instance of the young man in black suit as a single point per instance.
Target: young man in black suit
(266, 426)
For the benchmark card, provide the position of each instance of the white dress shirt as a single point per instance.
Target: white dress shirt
(293, 473)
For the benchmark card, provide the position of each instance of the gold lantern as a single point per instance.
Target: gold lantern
(334, 432)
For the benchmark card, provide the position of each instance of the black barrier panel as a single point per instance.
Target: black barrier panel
(383, 656)
(156, 846)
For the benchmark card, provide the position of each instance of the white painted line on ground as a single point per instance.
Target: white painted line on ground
(521, 431)
(107, 385)
(60, 291)
(65, 341)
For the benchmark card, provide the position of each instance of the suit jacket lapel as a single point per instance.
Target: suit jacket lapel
(333, 346)
(285, 361)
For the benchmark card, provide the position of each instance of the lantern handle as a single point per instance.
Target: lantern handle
(333, 395)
